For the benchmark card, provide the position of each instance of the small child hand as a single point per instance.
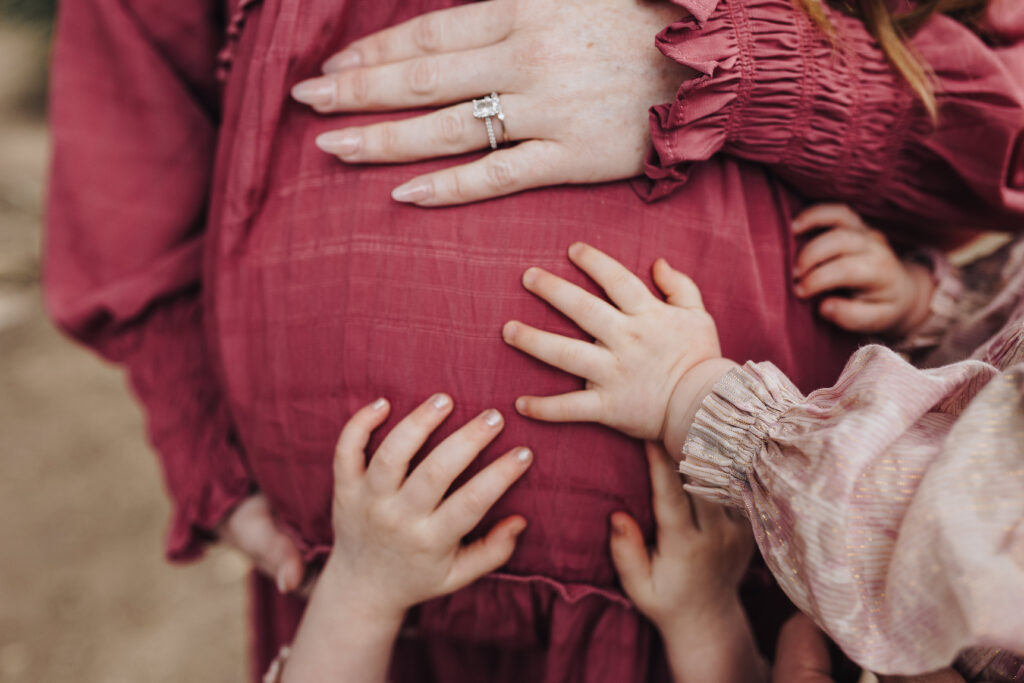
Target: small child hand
(688, 584)
(397, 540)
(644, 346)
(866, 287)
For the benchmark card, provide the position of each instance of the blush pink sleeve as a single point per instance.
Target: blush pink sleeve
(888, 507)
(839, 123)
(133, 111)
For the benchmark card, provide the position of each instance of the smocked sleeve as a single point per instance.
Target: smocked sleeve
(133, 111)
(838, 123)
(888, 507)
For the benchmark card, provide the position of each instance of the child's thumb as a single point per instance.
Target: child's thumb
(630, 557)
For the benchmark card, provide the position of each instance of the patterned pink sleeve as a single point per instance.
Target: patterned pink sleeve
(836, 121)
(888, 507)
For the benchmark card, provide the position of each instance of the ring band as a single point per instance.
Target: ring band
(489, 107)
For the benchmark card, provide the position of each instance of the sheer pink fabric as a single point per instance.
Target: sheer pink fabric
(889, 506)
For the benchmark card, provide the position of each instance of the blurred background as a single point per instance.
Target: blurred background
(85, 594)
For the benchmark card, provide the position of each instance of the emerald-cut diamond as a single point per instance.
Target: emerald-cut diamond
(487, 107)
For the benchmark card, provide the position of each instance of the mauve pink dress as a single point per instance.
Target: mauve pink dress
(258, 292)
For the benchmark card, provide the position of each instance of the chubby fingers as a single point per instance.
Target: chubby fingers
(858, 315)
(624, 288)
(576, 357)
(672, 505)
(486, 554)
(826, 216)
(458, 28)
(832, 245)
(426, 485)
(846, 272)
(464, 509)
(350, 451)
(678, 288)
(575, 406)
(595, 316)
(390, 463)
(631, 559)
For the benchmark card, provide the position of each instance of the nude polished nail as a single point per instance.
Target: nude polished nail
(412, 192)
(318, 92)
(340, 142)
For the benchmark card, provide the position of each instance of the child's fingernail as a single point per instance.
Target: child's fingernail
(616, 525)
(440, 401)
(492, 418)
(523, 455)
(379, 403)
(521, 405)
(508, 332)
(518, 527)
(282, 585)
(529, 277)
(413, 191)
(575, 248)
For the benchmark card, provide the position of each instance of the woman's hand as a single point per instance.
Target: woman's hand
(864, 285)
(645, 352)
(687, 585)
(576, 80)
(252, 530)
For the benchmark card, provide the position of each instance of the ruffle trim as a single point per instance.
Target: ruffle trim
(730, 429)
(193, 522)
(944, 306)
(232, 33)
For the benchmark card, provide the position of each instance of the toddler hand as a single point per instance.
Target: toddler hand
(866, 287)
(397, 539)
(688, 584)
(644, 346)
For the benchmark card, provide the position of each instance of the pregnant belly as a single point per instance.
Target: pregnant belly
(334, 295)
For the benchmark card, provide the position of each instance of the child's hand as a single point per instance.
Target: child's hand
(397, 541)
(644, 346)
(866, 287)
(688, 584)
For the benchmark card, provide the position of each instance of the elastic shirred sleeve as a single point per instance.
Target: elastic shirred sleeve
(838, 123)
(133, 111)
(886, 506)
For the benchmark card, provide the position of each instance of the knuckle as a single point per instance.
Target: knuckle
(358, 87)
(423, 74)
(387, 142)
(457, 187)
(451, 128)
(427, 33)
(500, 175)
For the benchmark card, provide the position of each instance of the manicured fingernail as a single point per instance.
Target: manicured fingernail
(508, 332)
(318, 92)
(379, 403)
(523, 455)
(340, 142)
(282, 586)
(530, 276)
(440, 401)
(346, 59)
(492, 418)
(413, 191)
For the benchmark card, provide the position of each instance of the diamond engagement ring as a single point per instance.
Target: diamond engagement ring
(487, 108)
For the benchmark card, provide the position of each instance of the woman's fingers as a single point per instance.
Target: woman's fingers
(391, 461)
(631, 559)
(435, 79)
(576, 357)
(534, 163)
(826, 216)
(464, 508)
(486, 554)
(678, 288)
(448, 30)
(447, 132)
(624, 288)
(845, 272)
(350, 452)
(594, 316)
(576, 406)
(426, 485)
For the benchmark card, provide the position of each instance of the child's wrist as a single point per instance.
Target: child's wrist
(922, 285)
(686, 399)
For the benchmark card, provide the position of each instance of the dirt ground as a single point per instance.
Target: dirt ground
(85, 594)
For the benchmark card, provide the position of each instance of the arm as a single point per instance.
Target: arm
(397, 538)
(887, 506)
(839, 124)
(134, 127)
